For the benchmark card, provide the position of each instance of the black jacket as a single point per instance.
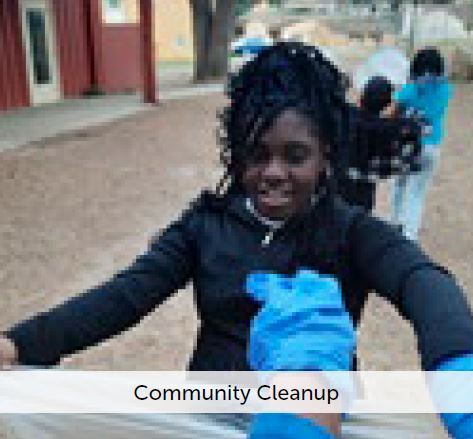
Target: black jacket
(216, 247)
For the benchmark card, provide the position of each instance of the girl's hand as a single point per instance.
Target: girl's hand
(8, 353)
(390, 111)
(302, 325)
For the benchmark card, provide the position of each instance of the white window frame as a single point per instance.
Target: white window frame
(113, 15)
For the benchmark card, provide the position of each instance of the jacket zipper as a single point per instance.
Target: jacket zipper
(268, 238)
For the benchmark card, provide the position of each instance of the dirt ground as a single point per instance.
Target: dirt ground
(76, 209)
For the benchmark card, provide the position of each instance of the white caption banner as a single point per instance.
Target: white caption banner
(64, 391)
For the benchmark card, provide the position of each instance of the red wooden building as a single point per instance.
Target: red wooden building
(56, 49)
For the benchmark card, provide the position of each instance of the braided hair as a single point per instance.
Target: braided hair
(286, 75)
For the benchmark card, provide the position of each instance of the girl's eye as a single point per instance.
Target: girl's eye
(296, 156)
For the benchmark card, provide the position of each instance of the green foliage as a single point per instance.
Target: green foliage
(243, 6)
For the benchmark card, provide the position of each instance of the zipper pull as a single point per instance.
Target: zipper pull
(267, 239)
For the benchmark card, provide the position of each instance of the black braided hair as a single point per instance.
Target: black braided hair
(295, 75)
(286, 75)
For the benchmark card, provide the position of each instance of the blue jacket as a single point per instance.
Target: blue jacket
(430, 98)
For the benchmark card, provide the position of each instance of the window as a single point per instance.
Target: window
(114, 11)
(39, 46)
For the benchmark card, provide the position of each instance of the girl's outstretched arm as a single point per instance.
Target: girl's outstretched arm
(422, 291)
(114, 306)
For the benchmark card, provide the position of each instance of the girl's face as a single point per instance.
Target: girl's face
(284, 170)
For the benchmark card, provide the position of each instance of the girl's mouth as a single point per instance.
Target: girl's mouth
(275, 198)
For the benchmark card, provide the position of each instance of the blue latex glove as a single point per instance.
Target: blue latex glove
(459, 425)
(286, 426)
(303, 324)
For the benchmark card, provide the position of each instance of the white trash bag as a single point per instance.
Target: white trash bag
(389, 62)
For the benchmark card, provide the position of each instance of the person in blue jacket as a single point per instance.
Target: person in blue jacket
(427, 95)
(286, 128)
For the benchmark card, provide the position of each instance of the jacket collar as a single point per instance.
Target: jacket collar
(237, 208)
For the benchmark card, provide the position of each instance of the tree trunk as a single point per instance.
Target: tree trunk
(213, 22)
(222, 31)
(202, 13)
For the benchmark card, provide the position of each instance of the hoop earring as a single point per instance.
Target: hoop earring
(328, 171)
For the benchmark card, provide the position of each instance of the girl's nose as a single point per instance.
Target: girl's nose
(274, 170)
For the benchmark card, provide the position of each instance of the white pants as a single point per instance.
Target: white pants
(188, 426)
(410, 190)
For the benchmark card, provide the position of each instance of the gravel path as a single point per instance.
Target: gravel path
(76, 209)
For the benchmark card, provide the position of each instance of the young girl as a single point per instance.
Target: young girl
(376, 96)
(286, 127)
(384, 147)
(428, 95)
